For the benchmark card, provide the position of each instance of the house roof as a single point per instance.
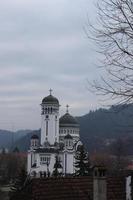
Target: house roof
(76, 188)
(116, 188)
(63, 188)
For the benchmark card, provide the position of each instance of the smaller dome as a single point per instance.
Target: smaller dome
(50, 100)
(68, 136)
(34, 137)
(68, 120)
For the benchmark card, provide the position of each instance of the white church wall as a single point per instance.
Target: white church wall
(128, 188)
(29, 162)
(44, 167)
(70, 168)
(43, 128)
(69, 130)
(68, 164)
(52, 162)
(52, 130)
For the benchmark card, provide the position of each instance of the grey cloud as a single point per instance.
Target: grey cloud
(42, 46)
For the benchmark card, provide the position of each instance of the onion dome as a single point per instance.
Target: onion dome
(34, 142)
(68, 120)
(35, 137)
(68, 137)
(50, 99)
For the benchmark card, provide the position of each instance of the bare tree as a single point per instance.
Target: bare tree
(114, 36)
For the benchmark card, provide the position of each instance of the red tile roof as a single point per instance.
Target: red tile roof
(116, 188)
(76, 188)
(63, 188)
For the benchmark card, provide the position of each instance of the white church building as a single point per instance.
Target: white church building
(59, 140)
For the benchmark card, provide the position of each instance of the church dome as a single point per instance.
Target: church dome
(50, 100)
(68, 137)
(68, 120)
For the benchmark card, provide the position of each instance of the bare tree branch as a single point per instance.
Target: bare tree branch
(113, 35)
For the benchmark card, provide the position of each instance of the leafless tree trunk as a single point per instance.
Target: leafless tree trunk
(114, 36)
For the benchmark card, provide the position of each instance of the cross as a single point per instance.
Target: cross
(50, 91)
(67, 106)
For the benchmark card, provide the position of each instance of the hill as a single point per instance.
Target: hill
(9, 138)
(102, 127)
(24, 143)
(98, 129)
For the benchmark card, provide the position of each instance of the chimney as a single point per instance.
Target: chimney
(99, 183)
(129, 188)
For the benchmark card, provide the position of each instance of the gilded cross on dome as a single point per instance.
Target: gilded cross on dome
(50, 91)
(67, 108)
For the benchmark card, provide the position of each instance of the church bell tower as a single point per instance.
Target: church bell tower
(50, 120)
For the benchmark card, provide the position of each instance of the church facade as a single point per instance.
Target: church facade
(58, 141)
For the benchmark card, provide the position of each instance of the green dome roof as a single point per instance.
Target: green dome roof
(50, 100)
(68, 120)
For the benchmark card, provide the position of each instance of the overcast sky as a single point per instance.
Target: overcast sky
(43, 45)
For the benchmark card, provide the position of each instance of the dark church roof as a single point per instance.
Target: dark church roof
(46, 150)
(50, 100)
(68, 120)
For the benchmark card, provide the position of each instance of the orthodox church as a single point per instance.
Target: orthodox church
(58, 141)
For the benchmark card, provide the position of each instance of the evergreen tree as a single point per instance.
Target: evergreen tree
(57, 166)
(3, 151)
(82, 163)
(21, 187)
(16, 150)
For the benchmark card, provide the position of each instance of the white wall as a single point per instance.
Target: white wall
(128, 188)
(53, 128)
(28, 162)
(68, 162)
(41, 167)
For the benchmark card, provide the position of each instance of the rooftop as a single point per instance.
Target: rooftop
(76, 188)
(68, 119)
